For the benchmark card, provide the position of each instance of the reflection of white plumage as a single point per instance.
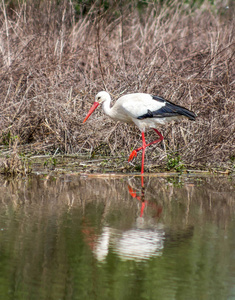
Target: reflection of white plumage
(137, 244)
(144, 110)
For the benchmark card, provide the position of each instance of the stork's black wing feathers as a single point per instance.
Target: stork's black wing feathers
(169, 110)
(160, 99)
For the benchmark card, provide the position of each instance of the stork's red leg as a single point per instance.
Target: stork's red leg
(142, 180)
(158, 140)
(144, 145)
(143, 152)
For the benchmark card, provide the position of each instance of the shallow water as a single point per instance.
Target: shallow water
(80, 237)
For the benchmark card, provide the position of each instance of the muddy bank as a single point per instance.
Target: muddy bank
(65, 164)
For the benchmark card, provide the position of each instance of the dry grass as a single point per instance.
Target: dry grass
(15, 165)
(51, 67)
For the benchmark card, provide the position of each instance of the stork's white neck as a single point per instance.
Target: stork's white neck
(106, 107)
(113, 112)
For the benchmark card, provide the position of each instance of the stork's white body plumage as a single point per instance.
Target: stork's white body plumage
(129, 107)
(144, 110)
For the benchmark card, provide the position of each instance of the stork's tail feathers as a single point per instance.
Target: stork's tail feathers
(181, 111)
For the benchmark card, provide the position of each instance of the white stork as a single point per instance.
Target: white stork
(144, 110)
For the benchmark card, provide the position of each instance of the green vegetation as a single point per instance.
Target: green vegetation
(51, 161)
(8, 139)
(174, 162)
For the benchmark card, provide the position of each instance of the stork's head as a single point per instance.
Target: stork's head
(99, 98)
(102, 96)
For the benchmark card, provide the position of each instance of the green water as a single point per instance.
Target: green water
(73, 237)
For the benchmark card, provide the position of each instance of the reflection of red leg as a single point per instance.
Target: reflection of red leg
(131, 192)
(142, 209)
(144, 145)
(157, 208)
(89, 234)
(140, 198)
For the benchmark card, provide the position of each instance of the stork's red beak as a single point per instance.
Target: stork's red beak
(94, 106)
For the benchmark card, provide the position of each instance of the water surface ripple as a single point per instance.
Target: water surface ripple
(88, 237)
